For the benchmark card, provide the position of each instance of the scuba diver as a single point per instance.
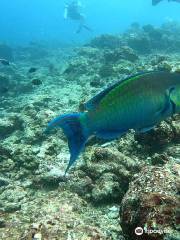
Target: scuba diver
(72, 11)
(155, 2)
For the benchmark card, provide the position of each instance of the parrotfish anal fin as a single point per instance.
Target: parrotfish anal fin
(145, 129)
(93, 102)
(110, 135)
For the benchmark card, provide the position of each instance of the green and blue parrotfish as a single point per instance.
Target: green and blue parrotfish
(138, 102)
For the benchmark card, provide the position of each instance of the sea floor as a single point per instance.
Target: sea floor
(109, 192)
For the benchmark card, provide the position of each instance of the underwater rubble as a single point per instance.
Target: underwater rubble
(115, 186)
(152, 201)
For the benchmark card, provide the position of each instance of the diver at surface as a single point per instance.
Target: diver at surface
(155, 2)
(72, 11)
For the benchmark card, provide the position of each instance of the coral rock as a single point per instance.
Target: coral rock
(152, 204)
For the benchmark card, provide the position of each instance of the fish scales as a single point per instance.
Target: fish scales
(124, 99)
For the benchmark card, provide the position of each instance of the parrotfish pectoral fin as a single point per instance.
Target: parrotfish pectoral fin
(166, 110)
(175, 99)
(168, 107)
(75, 133)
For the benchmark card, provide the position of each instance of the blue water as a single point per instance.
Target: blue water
(22, 21)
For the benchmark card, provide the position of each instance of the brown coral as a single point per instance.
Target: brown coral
(152, 204)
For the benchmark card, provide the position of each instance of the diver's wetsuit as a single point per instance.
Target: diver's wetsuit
(72, 12)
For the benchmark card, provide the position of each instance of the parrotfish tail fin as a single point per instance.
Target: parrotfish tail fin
(75, 130)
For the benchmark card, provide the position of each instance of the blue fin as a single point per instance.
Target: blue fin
(75, 133)
(93, 102)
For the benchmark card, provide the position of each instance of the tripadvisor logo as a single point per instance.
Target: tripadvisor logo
(139, 231)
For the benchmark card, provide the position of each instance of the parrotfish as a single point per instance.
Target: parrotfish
(138, 102)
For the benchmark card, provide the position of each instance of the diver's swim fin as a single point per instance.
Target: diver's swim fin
(83, 26)
(87, 28)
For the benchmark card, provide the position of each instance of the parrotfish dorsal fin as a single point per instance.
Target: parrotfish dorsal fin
(93, 102)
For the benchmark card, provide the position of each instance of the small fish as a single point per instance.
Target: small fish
(4, 62)
(32, 70)
(36, 81)
(138, 102)
(4, 89)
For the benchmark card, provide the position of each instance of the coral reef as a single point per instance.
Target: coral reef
(105, 176)
(106, 41)
(137, 173)
(6, 52)
(152, 203)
